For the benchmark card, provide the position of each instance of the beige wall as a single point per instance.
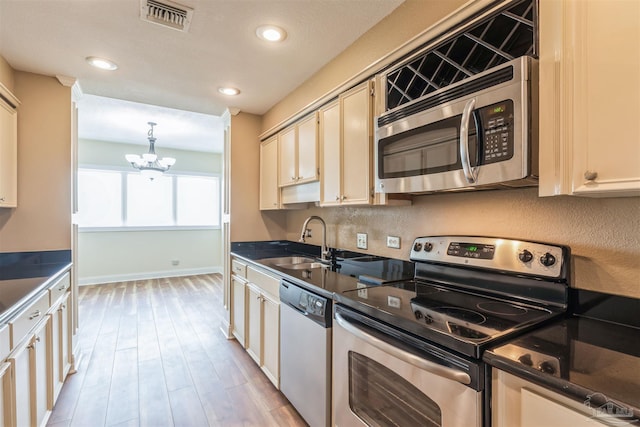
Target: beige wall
(42, 220)
(406, 22)
(604, 234)
(247, 222)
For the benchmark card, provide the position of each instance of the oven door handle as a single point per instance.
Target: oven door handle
(418, 362)
(470, 173)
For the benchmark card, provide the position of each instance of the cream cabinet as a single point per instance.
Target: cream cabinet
(39, 338)
(298, 152)
(8, 149)
(238, 300)
(520, 403)
(346, 147)
(269, 190)
(30, 363)
(60, 344)
(590, 97)
(6, 394)
(263, 322)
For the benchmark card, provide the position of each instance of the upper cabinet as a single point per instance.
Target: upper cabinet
(346, 144)
(269, 191)
(8, 149)
(298, 152)
(590, 98)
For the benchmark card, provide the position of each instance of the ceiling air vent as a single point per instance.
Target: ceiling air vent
(166, 13)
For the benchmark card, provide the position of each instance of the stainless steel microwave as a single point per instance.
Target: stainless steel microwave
(479, 133)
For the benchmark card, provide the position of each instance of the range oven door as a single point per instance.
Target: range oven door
(380, 381)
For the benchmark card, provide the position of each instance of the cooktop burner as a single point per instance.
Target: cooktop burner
(502, 308)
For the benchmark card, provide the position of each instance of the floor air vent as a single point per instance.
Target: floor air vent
(489, 41)
(166, 13)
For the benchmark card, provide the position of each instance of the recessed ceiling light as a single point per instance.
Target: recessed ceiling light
(231, 91)
(271, 33)
(102, 63)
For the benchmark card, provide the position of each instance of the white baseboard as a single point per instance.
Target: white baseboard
(95, 280)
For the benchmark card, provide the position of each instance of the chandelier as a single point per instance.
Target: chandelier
(149, 164)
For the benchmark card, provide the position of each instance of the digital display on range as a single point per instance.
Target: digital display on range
(471, 250)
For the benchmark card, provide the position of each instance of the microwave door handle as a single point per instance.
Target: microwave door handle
(418, 362)
(470, 173)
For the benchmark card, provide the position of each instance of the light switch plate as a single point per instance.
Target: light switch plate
(361, 240)
(393, 242)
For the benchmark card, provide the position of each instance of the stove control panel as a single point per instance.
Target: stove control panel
(515, 256)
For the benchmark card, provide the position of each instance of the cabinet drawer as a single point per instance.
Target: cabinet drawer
(28, 318)
(59, 288)
(266, 282)
(5, 344)
(238, 268)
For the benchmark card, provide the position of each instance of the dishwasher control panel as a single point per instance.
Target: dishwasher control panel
(312, 304)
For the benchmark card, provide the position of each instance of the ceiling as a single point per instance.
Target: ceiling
(169, 68)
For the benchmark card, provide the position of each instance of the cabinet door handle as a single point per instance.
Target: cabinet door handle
(337, 198)
(590, 175)
(35, 314)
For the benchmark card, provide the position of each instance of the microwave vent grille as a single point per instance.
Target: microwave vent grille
(502, 75)
(494, 40)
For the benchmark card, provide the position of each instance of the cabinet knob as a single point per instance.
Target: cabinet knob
(590, 175)
(1, 199)
(343, 197)
(337, 198)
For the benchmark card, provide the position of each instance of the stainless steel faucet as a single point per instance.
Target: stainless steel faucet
(305, 233)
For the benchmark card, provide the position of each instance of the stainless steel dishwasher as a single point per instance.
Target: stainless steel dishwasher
(305, 352)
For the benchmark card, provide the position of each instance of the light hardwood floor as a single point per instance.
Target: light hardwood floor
(154, 355)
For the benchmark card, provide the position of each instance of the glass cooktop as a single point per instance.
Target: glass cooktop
(462, 321)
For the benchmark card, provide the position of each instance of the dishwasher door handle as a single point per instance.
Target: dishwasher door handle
(418, 362)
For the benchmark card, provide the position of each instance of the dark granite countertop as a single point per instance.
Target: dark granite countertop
(351, 267)
(593, 354)
(23, 275)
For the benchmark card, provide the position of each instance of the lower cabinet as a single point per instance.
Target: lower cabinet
(255, 316)
(238, 295)
(31, 369)
(60, 346)
(6, 394)
(38, 358)
(263, 331)
(519, 403)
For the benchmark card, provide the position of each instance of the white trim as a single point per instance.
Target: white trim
(98, 280)
(149, 228)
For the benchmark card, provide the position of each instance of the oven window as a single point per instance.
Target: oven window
(380, 397)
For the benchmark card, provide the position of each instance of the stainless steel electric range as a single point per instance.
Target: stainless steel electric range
(409, 352)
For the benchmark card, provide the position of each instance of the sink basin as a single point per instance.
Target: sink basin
(287, 260)
(292, 262)
(301, 266)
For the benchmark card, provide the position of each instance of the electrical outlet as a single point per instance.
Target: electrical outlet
(393, 242)
(175, 262)
(361, 240)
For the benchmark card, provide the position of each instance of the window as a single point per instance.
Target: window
(122, 199)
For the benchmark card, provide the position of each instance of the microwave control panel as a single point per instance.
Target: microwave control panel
(497, 123)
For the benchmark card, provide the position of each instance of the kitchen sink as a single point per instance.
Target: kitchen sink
(287, 260)
(301, 265)
(292, 262)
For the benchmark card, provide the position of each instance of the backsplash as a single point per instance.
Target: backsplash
(604, 234)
